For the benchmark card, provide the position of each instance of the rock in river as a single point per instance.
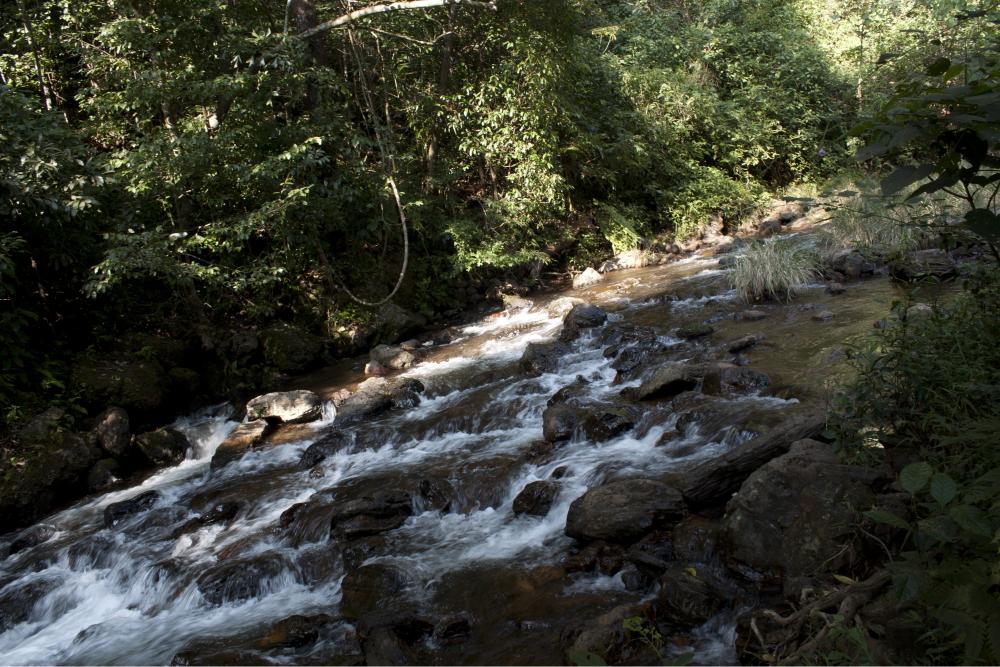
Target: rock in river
(623, 510)
(286, 407)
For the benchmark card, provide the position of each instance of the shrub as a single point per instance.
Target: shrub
(774, 269)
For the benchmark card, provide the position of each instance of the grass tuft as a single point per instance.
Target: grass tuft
(776, 268)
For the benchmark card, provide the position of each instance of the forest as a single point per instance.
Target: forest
(203, 201)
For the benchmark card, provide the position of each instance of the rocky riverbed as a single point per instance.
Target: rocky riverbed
(643, 451)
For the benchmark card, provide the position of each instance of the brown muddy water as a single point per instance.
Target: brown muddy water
(482, 585)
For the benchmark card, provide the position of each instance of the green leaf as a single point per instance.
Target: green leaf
(939, 67)
(915, 476)
(972, 519)
(904, 176)
(943, 488)
(984, 223)
(888, 518)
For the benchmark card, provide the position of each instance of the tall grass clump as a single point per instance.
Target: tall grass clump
(774, 269)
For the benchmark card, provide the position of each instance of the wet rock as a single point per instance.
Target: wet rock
(137, 386)
(244, 437)
(43, 427)
(561, 306)
(290, 349)
(582, 316)
(328, 445)
(623, 510)
(797, 515)
(163, 447)
(922, 264)
(371, 514)
(116, 513)
(596, 557)
(104, 475)
(695, 331)
(919, 312)
(752, 315)
(358, 551)
(741, 360)
(112, 430)
(653, 553)
(695, 539)
(587, 278)
(608, 421)
(294, 632)
(636, 581)
(727, 380)
(189, 657)
(539, 452)
(835, 288)
(743, 344)
(560, 472)
(371, 588)
(241, 579)
(789, 212)
(286, 407)
(17, 601)
(665, 383)
(822, 316)
(711, 482)
(31, 537)
(604, 639)
(851, 264)
(434, 495)
(561, 421)
(540, 358)
(536, 498)
(410, 345)
(376, 369)
(685, 599)
(96, 551)
(452, 631)
(376, 396)
(392, 357)
(383, 647)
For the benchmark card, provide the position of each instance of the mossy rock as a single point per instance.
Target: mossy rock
(290, 349)
(137, 386)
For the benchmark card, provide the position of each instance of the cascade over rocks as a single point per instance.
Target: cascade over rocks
(115, 513)
(241, 579)
(581, 316)
(244, 437)
(624, 510)
(330, 444)
(286, 407)
(376, 396)
(797, 515)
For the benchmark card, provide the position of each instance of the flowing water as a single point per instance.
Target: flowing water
(130, 594)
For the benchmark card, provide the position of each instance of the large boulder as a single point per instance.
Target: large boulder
(921, 264)
(43, 474)
(711, 482)
(286, 407)
(290, 349)
(112, 430)
(851, 264)
(141, 387)
(242, 579)
(582, 316)
(561, 306)
(798, 515)
(163, 447)
(376, 396)
(730, 380)
(604, 422)
(330, 444)
(392, 357)
(623, 510)
(561, 421)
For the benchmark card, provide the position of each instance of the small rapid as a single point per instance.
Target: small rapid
(166, 579)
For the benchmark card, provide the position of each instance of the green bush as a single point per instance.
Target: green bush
(774, 269)
(926, 390)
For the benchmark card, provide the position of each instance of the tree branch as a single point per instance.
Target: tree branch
(392, 6)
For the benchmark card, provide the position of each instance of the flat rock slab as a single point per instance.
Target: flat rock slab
(624, 510)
